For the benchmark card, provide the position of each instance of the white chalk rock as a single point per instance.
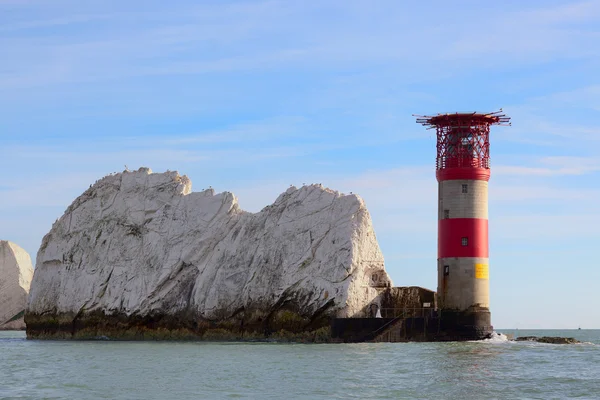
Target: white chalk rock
(16, 271)
(141, 243)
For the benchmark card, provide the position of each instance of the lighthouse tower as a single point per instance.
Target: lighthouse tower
(463, 172)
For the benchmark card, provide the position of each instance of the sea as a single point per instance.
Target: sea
(497, 368)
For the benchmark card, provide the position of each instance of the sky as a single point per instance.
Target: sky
(252, 96)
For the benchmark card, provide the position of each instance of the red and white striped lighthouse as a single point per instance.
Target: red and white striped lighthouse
(463, 172)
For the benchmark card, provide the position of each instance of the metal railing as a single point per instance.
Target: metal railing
(399, 314)
(458, 162)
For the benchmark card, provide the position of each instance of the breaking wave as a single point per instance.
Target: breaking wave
(495, 338)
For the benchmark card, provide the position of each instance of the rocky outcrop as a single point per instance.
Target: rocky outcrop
(548, 339)
(16, 271)
(138, 255)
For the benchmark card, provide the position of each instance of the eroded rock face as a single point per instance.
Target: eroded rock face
(138, 255)
(16, 271)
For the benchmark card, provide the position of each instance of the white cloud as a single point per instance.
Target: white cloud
(587, 97)
(53, 22)
(542, 194)
(571, 12)
(573, 226)
(552, 166)
(404, 200)
(275, 129)
(59, 191)
(268, 35)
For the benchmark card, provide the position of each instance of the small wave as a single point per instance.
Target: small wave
(495, 338)
(589, 344)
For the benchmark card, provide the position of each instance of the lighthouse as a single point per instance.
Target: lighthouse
(463, 268)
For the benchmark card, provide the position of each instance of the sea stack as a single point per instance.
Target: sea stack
(140, 256)
(16, 271)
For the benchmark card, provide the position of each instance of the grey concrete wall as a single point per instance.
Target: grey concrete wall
(466, 285)
(473, 204)
(463, 287)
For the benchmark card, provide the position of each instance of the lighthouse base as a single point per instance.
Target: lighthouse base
(465, 325)
(412, 314)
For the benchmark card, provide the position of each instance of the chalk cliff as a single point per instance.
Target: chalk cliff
(139, 255)
(16, 271)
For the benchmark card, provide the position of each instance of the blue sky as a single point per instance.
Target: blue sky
(252, 96)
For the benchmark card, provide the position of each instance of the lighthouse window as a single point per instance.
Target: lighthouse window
(465, 241)
(446, 214)
(465, 189)
(446, 270)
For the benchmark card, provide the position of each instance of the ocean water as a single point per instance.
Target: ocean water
(492, 369)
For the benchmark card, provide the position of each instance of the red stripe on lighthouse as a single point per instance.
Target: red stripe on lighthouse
(451, 232)
(476, 174)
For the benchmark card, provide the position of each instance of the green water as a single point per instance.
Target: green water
(496, 369)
